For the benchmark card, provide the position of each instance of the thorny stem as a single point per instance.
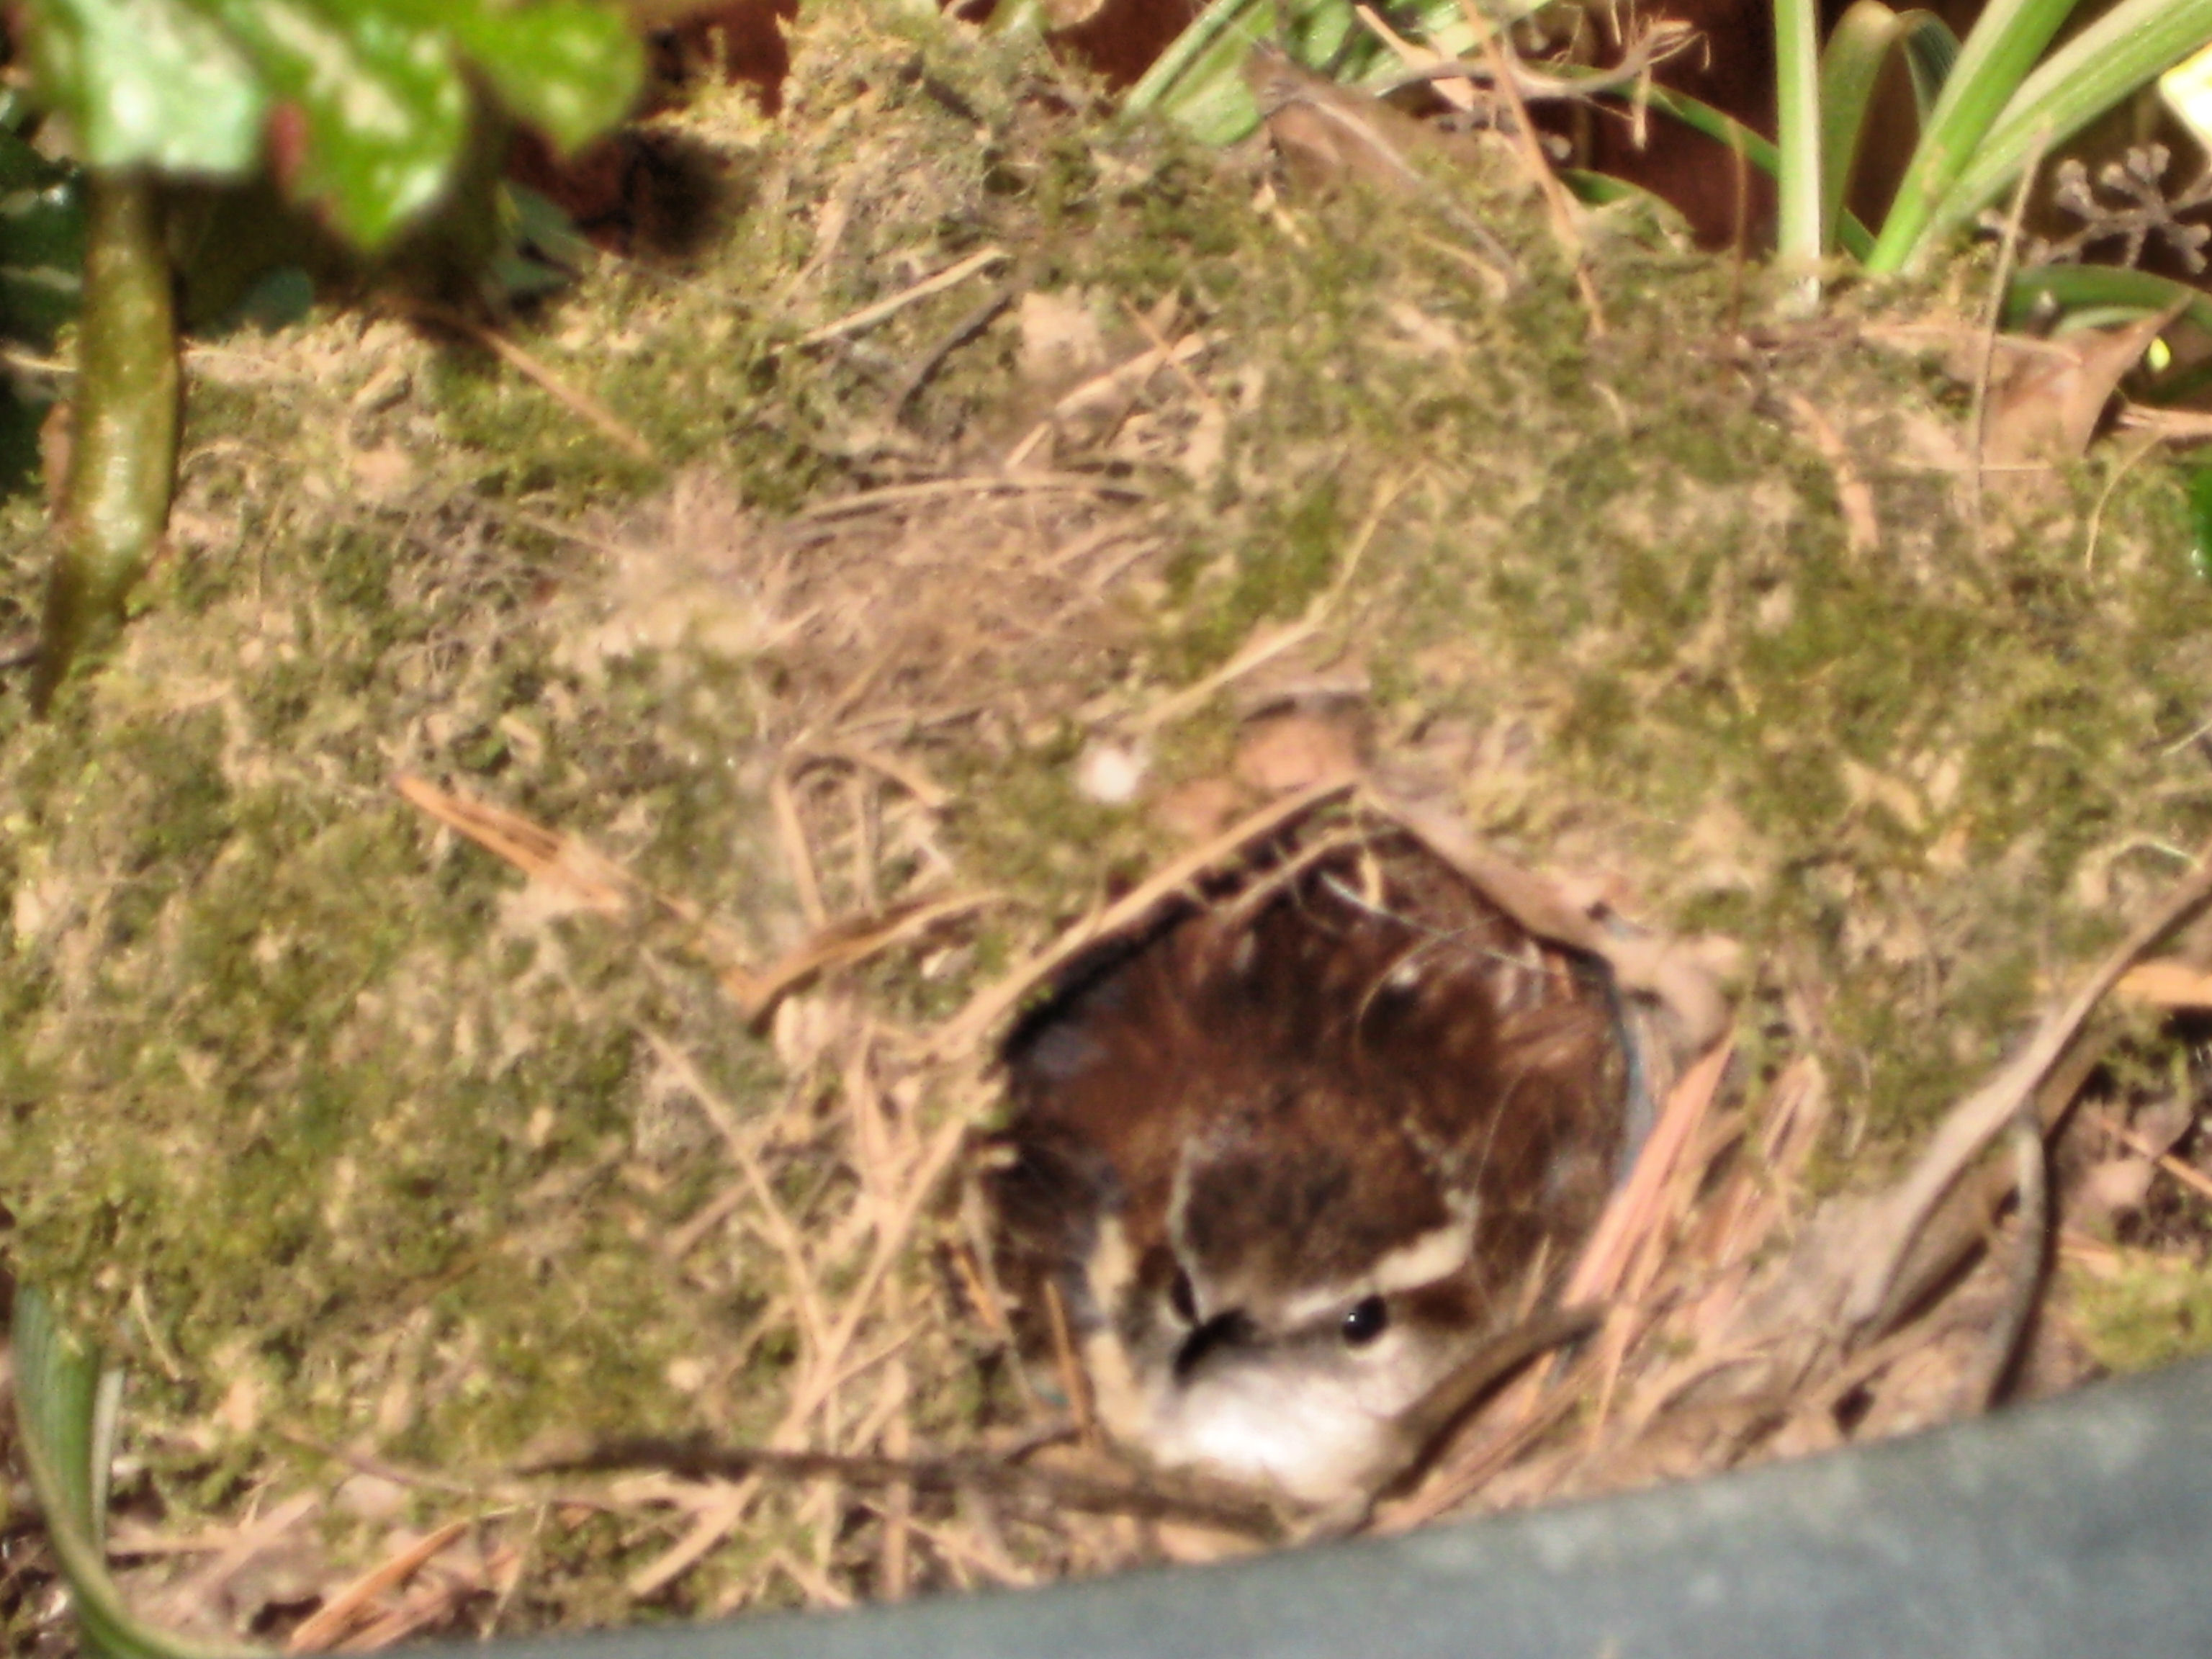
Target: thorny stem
(123, 457)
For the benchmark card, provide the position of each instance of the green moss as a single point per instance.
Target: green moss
(2152, 1311)
(318, 1093)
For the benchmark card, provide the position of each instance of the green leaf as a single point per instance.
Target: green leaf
(380, 88)
(384, 106)
(1997, 57)
(2081, 288)
(2127, 48)
(2200, 521)
(1850, 66)
(41, 243)
(58, 1403)
(1603, 190)
(568, 68)
(1931, 52)
(1198, 81)
(148, 84)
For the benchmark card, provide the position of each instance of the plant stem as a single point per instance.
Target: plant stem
(1799, 241)
(123, 456)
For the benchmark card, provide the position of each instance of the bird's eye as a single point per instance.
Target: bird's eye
(1182, 1298)
(1366, 1319)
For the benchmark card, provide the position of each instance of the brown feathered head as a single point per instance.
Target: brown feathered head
(1288, 1159)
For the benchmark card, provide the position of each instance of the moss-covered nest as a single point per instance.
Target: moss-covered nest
(504, 955)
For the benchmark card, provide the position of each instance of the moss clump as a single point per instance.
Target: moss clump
(329, 1103)
(2152, 1310)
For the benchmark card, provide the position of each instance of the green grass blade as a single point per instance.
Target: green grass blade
(1994, 61)
(2125, 49)
(1701, 116)
(1603, 190)
(2081, 287)
(1198, 81)
(1851, 67)
(57, 1400)
(1931, 52)
(1799, 242)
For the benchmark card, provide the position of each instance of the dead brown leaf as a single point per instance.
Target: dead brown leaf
(2047, 397)
(1295, 750)
(2168, 982)
(1330, 135)
(1200, 811)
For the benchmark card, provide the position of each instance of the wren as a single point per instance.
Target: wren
(1292, 1160)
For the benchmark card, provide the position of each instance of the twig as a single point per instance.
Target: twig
(782, 1232)
(2187, 1173)
(1017, 483)
(1206, 1503)
(494, 1490)
(967, 329)
(255, 1536)
(610, 425)
(1074, 1379)
(561, 862)
(1456, 1482)
(1961, 1224)
(2128, 463)
(989, 1006)
(1562, 211)
(868, 316)
(890, 1240)
(709, 1527)
(1978, 419)
(895, 1561)
(1125, 379)
(567, 865)
(1309, 112)
(1437, 1411)
(1633, 1214)
(1982, 1114)
(844, 944)
(2000, 1348)
(1154, 331)
(1662, 41)
(1454, 82)
(798, 855)
(1862, 526)
(331, 1620)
